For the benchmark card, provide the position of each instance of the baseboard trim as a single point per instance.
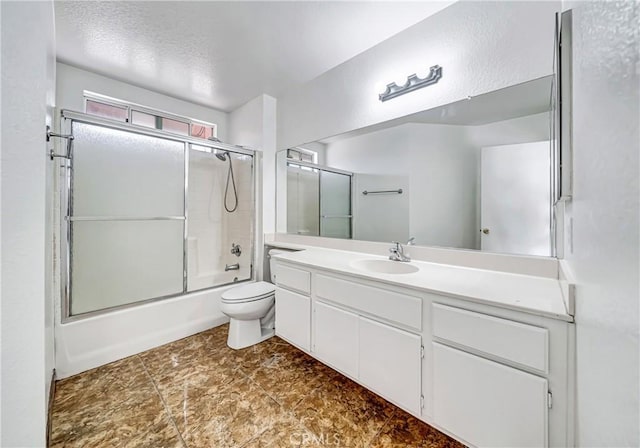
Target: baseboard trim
(52, 394)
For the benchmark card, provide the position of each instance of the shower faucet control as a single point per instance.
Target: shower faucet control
(236, 249)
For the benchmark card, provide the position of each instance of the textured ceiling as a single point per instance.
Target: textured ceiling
(222, 54)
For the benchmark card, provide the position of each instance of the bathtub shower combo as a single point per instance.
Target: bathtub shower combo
(148, 215)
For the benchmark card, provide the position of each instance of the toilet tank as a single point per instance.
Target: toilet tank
(275, 252)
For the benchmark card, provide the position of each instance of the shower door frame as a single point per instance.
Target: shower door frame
(67, 118)
(320, 169)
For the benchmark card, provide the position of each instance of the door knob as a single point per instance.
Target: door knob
(485, 231)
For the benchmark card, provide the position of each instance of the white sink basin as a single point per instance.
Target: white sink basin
(385, 266)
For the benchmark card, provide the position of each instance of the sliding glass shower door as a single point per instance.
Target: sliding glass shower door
(129, 238)
(335, 204)
(318, 201)
(220, 219)
(127, 217)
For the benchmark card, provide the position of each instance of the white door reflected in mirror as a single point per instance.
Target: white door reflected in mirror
(515, 210)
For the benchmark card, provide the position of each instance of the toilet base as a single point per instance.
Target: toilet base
(244, 333)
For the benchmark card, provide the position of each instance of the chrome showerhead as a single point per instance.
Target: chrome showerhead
(222, 156)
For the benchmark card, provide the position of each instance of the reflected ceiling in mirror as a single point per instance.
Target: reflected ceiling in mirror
(475, 174)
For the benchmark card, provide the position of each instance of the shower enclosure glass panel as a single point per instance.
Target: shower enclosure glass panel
(215, 179)
(149, 215)
(303, 200)
(123, 174)
(120, 262)
(126, 218)
(335, 205)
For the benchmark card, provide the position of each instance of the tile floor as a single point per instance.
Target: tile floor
(197, 392)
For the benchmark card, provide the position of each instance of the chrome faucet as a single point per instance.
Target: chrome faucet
(397, 252)
(232, 267)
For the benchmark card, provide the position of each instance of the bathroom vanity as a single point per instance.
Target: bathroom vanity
(484, 356)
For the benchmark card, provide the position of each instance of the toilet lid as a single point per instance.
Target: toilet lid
(249, 292)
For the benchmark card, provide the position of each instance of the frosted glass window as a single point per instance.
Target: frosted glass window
(121, 262)
(123, 174)
(143, 119)
(158, 122)
(335, 205)
(202, 131)
(175, 126)
(107, 110)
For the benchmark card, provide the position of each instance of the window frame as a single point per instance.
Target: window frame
(301, 151)
(134, 107)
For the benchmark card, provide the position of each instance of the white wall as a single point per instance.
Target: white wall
(444, 179)
(367, 209)
(605, 214)
(253, 125)
(28, 83)
(72, 82)
(482, 46)
(441, 168)
(532, 128)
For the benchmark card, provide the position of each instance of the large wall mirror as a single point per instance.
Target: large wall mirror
(475, 174)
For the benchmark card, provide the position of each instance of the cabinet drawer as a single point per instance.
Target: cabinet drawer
(395, 307)
(293, 278)
(512, 341)
(486, 403)
(293, 318)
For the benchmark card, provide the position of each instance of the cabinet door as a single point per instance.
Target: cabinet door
(336, 338)
(293, 318)
(486, 403)
(390, 361)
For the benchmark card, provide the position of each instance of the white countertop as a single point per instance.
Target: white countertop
(535, 295)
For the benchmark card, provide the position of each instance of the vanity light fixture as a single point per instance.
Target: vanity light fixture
(413, 83)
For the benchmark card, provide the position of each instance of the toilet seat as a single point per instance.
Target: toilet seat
(249, 293)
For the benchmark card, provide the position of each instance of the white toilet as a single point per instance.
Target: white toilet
(251, 310)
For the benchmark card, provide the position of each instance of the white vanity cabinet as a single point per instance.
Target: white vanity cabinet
(390, 362)
(487, 403)
(493, 381)
(487, 375)
(372, 334)
(385, 359)
(293, 318)
(336, 338)
(293, 306)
